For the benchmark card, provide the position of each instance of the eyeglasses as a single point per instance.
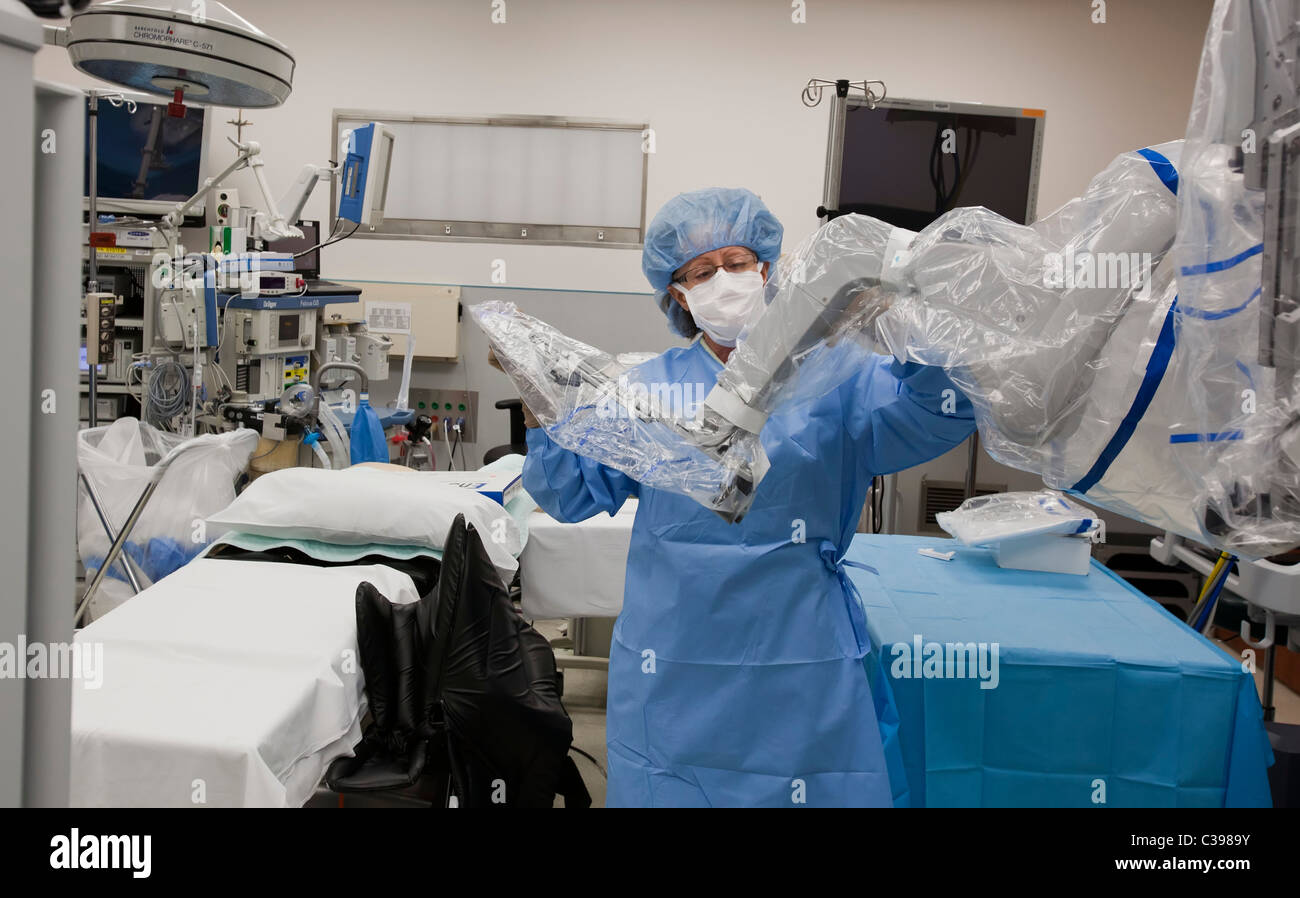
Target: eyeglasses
(701, 273)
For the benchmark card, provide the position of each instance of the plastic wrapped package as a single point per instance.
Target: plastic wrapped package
(1031, 531)
(119, 461)
(984, 520)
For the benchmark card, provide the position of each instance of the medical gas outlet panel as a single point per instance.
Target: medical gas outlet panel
(446, 407)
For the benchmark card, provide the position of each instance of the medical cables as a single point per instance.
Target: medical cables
(962, 163)
(167, 392)
(451, 447)
(1201, 617)
(460, 442)
(225, 321)
(599, 769)
(331, 240)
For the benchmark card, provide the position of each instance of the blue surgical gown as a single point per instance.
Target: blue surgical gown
(736, 672)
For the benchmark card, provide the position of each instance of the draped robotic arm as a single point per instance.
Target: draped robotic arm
(972, 292)
(597, 405)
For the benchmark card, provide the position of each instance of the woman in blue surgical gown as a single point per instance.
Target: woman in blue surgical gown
(736, 672)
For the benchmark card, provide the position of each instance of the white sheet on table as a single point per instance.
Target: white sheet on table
(240, 674)
(576, 570)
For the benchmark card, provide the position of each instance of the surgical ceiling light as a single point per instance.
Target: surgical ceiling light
(201, 53)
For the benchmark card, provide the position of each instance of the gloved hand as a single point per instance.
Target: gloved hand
(530, 420)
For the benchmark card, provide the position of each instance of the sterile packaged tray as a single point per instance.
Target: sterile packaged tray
(1039, 530)
(985, 520)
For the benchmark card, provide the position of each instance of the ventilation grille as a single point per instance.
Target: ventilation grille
(945, 495)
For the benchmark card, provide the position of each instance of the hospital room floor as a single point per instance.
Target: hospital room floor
(584, 698)
(1285, 701)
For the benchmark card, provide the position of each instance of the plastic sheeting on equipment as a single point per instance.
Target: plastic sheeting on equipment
(1123, 347)
(597, 405)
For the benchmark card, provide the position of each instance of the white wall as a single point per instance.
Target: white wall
(719, 81)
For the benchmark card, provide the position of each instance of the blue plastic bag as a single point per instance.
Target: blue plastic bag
(368, 441)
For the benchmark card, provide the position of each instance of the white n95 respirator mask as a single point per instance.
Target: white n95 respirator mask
(725, 304)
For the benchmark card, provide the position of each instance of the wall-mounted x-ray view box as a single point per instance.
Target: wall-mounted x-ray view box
(366, 166)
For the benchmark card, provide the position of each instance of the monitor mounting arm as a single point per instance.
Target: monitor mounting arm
(272, 224)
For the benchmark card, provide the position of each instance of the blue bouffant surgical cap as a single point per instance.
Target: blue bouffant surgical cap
(698, 222)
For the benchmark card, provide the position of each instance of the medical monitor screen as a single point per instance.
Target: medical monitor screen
(146, 157)
(908, 166)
